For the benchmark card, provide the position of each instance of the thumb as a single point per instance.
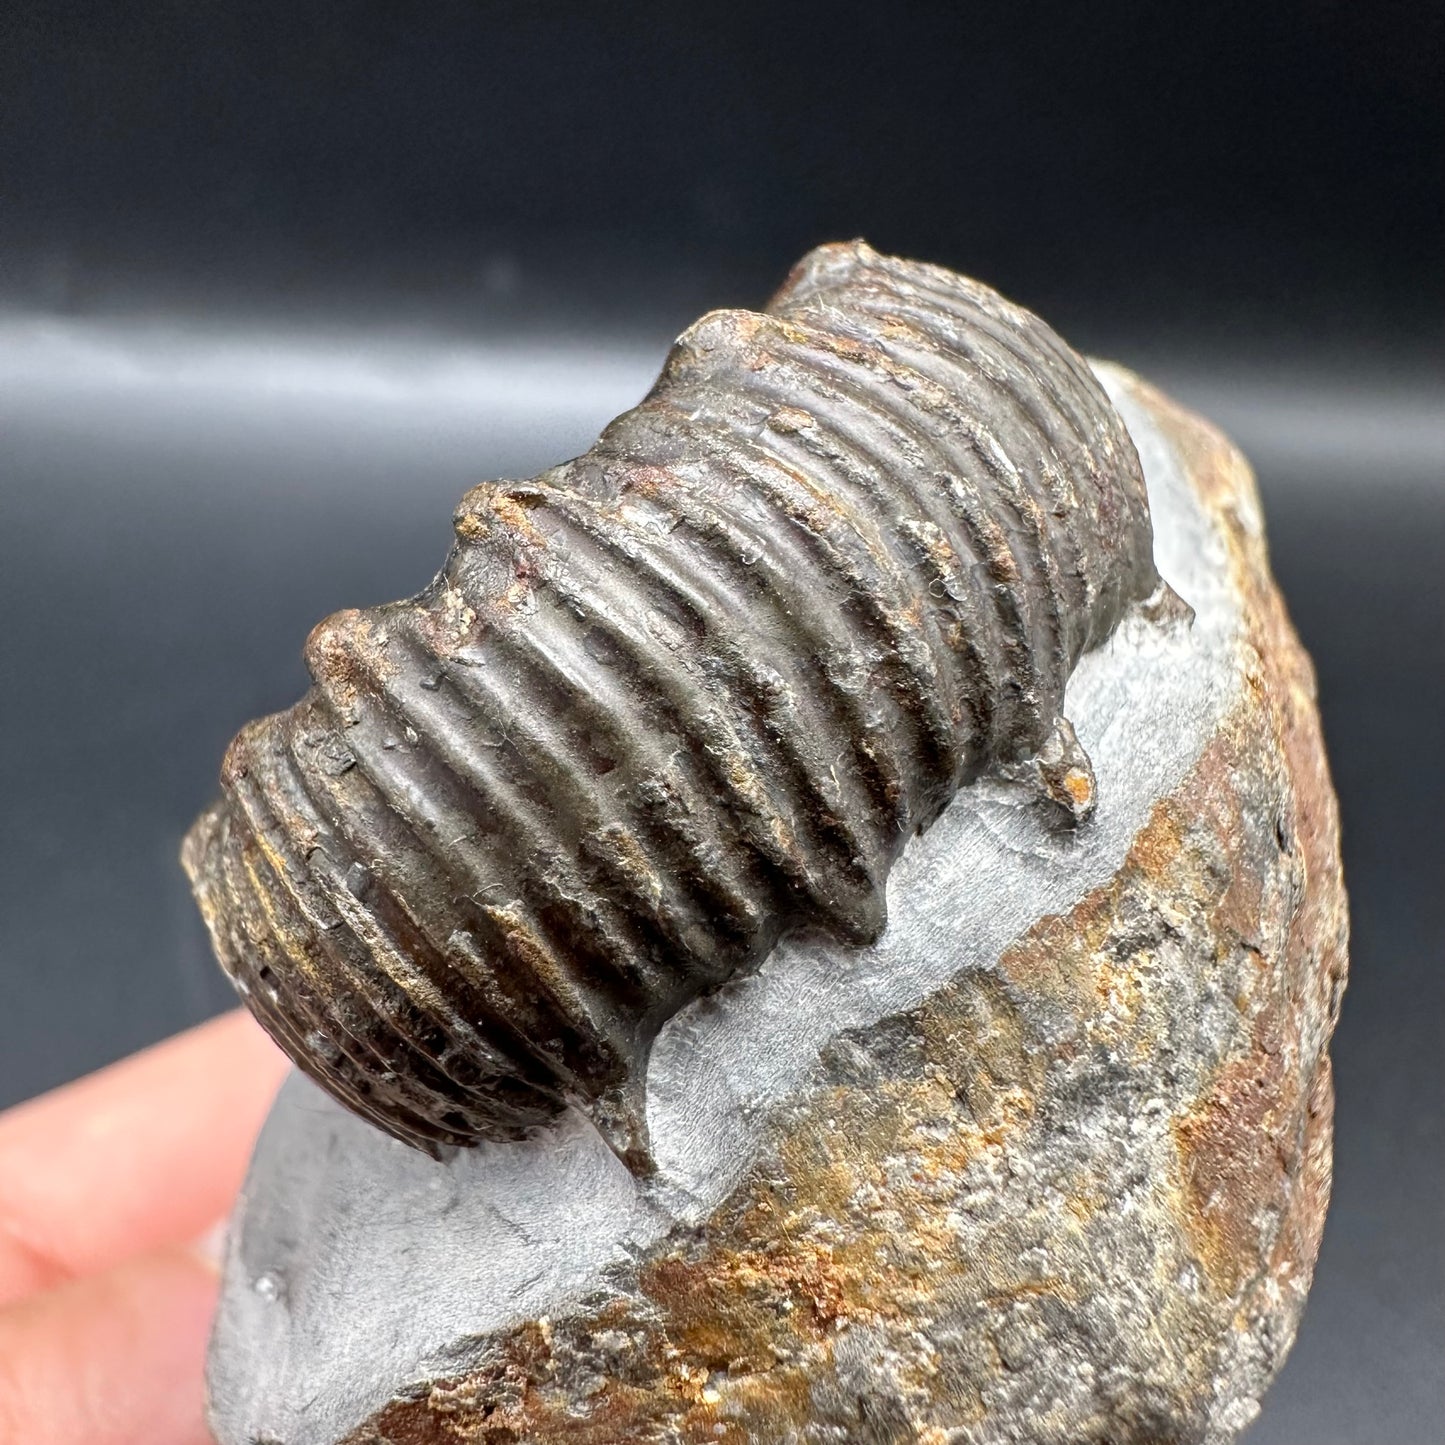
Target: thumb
(113, 1359)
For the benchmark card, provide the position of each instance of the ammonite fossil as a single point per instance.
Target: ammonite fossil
(675, 698)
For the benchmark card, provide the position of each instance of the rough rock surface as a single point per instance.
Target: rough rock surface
(1046, 1164)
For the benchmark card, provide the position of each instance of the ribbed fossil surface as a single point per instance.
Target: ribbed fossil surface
(669, 700)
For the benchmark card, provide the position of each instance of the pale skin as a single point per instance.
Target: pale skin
(112, 1193)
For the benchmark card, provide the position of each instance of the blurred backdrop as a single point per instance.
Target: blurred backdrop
(278, 281)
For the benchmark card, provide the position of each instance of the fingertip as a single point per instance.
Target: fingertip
(147, 1152)
(114, 1359)
(210, 1247)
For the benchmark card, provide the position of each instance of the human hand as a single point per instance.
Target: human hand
(112, 1193)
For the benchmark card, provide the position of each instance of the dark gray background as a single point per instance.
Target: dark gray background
(278, 281)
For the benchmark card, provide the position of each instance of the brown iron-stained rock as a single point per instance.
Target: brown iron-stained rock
(1073, 1193)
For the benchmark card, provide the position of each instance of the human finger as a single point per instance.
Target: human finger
(149, 1151)
(114, 1359)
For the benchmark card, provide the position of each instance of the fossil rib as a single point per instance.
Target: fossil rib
(671, 699)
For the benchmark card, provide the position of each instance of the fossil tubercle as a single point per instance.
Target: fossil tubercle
(668, 701)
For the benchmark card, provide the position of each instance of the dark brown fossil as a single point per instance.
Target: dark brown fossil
(677, 697)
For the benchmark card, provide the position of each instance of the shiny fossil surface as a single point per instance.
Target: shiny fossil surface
(675, 699)
(1047, 1161)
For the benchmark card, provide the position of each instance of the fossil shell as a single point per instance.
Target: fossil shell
(671, 699)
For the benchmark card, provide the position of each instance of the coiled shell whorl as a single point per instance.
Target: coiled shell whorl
(674, 698)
